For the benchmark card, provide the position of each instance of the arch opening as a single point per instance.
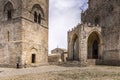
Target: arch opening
(75, 48)
(33, 58)
(8, 9)
(93, 46)
(39, 18)
(35, 16)
(95, 49)
(38, 13)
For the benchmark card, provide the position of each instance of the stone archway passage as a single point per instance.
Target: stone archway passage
(76, 48)
(93, 45)
(32, 57)
(95, 49)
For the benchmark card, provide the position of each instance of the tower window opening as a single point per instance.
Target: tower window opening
(35, 16)
(8, 36)
(39, 18)
(9, 14)
(33, 58)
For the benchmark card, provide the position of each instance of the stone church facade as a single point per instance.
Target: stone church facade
(23, 32)
(97, 39)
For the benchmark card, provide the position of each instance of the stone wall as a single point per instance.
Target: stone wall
(10, 34)
(34, 35)
(54, 58)
(84, 32)
(28, 14)
(58, 51)
(106, 11)
(102, 18)
(111, 39)
(21, 36)
(57, 58)
(33, 39)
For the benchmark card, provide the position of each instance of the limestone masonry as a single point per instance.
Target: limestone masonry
(97, 39)
(23, 33)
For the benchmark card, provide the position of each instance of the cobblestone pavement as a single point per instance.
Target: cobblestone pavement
(42, 69)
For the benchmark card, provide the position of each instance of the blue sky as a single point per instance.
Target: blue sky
(63, 15)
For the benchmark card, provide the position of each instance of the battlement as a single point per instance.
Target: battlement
(97, 39)
(81, 25)
(102, 12)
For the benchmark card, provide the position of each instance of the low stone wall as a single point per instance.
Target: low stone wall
(94, 62)
(54, 58)
(111, 62)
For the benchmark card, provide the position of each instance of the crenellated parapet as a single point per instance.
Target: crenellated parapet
(100, 24)
(81, 26)
(82, 33)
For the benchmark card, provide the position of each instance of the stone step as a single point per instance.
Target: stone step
(73, 63)
(94, 61)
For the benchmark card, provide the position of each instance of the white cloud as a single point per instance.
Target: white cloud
(64, 14)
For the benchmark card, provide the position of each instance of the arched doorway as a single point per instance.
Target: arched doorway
(75, 48)
(93, 45)
(32, 57)
(95, 49)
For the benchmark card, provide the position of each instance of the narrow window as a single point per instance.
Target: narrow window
(8, 36)
(8, 10)
(97, 20)
(39, 19)
(33, 58)
(35, 16)
(9, 14)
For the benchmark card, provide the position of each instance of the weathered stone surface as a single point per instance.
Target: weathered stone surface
(99, 34)
(57, 55)
(21, 36)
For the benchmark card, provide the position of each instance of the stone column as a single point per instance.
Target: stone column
(83, 46)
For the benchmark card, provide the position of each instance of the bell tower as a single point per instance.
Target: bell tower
(34, 32)
(23, 32)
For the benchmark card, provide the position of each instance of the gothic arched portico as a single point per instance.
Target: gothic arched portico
(93, 48)
(75, 47)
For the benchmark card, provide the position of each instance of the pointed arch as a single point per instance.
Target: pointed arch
(93, 42)
(33, 53)
(75, 47)
(39, 18)
(8, 10)
(37, 6)
(38, 13)
(35, 16)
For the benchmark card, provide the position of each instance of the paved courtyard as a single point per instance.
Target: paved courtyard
(54, 72)
(42, 69)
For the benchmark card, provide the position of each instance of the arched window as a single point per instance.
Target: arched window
(8, 9)
(39, 18)
(33, 58)
(8, 36)
(9, 14)
(75, 48)
(35, 16)
(38, 13)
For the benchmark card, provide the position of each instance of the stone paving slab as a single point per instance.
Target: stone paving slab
(7, 72)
